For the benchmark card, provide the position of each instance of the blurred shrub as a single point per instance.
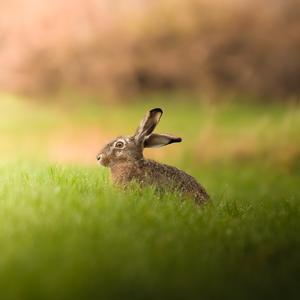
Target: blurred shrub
(127, 47)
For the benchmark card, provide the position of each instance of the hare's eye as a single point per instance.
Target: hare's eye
(119, 144)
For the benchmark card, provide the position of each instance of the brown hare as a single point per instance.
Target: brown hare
(124, 157)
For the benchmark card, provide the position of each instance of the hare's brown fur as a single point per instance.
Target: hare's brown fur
(124, 156)
(162, 176)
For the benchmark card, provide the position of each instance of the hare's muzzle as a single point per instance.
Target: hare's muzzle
(102, 160)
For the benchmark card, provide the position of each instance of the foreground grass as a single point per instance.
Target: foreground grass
(66, 233)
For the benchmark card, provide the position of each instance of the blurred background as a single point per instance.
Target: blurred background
(74, 73)
(134, 46)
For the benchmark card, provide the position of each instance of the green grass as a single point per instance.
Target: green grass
(67, 233)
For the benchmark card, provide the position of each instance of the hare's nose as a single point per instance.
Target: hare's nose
(98, 157)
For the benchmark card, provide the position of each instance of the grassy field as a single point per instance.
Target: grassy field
(67, 233)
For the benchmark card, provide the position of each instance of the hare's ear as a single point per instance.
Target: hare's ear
(148, 124)
(158, 140)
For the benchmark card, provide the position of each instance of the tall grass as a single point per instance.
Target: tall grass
(67, 233)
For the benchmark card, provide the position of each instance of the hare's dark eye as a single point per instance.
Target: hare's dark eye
(119, 144)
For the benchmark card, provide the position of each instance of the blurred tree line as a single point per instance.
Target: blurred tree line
(133, 46)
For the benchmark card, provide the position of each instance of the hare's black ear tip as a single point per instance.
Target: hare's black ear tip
(174, 140)
(156, 110)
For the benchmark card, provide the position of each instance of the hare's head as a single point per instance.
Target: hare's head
(130, 148)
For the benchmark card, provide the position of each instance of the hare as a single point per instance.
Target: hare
(124, 157)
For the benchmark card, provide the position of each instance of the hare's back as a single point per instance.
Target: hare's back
(166, 176)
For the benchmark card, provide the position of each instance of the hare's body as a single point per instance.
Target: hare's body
(124, 156)
(151, 173)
